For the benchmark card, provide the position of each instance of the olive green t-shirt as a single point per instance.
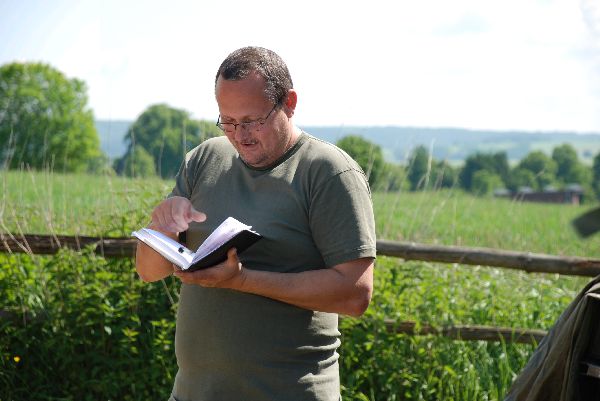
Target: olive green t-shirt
(313, 208)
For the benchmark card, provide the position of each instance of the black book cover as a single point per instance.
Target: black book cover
(241, 241)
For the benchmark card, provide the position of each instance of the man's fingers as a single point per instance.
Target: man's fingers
(158, 218)
(175, 214)
(232, 254)
(179, 219)
(196, 215)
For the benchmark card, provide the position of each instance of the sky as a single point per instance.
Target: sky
(530, 65)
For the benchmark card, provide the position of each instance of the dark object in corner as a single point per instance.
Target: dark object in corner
(588, 223)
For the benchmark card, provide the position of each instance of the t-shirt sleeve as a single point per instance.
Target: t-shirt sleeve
(182, 185)
(341, 218)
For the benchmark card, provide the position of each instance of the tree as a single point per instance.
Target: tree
(206, 130)
(101, 165)
(368, 155)
(569, 169)
(596, 174)
(419, 168)
(392, 178)
(485, 182)
(519, 178)
(542, 167)
(44, 119)
(138, 163)
(496, 163)
(166, 134)
(443, 175)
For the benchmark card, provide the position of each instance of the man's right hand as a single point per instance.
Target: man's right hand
(173, 215)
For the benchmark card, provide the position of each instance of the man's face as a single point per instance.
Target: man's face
(243, 101)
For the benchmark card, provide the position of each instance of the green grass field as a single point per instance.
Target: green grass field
(92, 205)
(375, 365)
(43, 203)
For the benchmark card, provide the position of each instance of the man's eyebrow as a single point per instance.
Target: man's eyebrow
(243, 119)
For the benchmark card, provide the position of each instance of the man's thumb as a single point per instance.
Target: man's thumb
(196, 215)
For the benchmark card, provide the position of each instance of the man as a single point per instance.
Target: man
(263, 325)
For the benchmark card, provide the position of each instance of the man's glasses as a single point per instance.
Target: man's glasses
(250, 126)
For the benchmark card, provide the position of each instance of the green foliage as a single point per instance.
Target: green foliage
(521, 178)
(569, 170)
(206, 130)
(44, 119)
(100, 165)
(76, 204)
(596, 175)
(166, 134)
(378, 364)
(368, 156)
(392, 179)
(138, 163)
(419, 168)
(84, 328)
(452, 217)
(485, 182)
(542, 167)
(426, 173)
(496, 163)
(443, 175)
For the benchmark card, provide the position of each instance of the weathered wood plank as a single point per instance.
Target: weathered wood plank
(469, 332)
(50, 244)
(527, 261)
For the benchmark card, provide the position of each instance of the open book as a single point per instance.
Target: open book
(230, 234)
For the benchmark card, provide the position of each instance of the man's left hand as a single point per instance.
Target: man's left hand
(224, 275)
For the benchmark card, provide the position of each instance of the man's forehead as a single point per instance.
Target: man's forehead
(242, 99)
(253, 78)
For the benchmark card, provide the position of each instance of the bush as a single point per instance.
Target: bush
(80, 327)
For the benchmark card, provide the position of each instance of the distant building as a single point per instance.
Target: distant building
(572, 194)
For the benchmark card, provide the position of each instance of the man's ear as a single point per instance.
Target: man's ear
(289, 105)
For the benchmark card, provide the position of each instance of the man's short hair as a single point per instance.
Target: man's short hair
(263, 61)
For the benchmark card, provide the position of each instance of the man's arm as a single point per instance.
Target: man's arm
(170, 217)
(345, 288)
(151, 265)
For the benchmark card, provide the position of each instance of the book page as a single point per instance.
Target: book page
(227, 230)
(166, 246)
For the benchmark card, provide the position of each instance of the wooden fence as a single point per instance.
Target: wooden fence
(526, 261)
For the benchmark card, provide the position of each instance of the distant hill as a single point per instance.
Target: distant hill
(451, 144)
(111, 135)
(455, 144)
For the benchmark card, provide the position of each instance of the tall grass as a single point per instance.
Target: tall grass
(452, 217)
(82, 204)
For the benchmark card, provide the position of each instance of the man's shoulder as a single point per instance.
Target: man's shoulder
(217, 146)
(322, 153)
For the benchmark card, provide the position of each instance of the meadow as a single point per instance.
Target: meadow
(77, 326)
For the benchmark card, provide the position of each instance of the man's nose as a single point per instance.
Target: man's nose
(241, 132)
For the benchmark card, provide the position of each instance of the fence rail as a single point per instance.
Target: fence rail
(526, 261)
(469, 332)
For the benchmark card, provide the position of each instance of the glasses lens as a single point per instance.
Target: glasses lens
(227, 127)
(252, 126)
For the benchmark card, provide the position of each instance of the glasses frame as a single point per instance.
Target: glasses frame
(253, 125)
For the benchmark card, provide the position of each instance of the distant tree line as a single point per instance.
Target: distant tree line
(45, 122)
(481, 174)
